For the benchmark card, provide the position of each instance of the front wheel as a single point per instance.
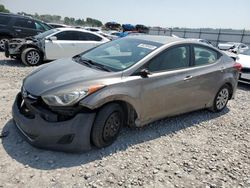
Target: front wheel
(221, 99)
(107, 125)
(31, 57)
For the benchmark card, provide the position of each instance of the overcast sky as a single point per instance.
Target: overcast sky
(165, 13)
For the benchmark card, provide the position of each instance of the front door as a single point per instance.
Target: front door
(169, 89)
(64, 45)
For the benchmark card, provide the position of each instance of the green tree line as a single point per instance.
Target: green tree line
(3, 9)
(58, 19)
(66, 20)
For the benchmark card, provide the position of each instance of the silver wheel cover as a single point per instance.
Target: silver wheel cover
(222, 98)
(33, 57)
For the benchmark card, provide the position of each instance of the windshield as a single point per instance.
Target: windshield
(120, 54)
(46, 33)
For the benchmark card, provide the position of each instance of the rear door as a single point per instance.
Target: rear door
(24, 27)
(207, 75)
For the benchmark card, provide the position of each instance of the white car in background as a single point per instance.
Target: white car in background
(53, 44)
(244, 60)
(233, 47)
(100, 32)
(204, 41)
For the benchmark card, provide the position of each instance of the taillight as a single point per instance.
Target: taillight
(237, 66)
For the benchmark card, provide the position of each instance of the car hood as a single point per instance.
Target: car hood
(65, 74)
(23, 40)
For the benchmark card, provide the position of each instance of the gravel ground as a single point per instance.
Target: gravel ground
(199, 149)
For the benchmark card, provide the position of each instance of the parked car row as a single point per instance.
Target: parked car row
(52, 44)
(233, 47)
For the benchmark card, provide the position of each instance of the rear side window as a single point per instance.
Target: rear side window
(76, 35)
(26, 23)
(89, 37)
(204, 56)
(174, 58)
(67, 35)
(4, 20)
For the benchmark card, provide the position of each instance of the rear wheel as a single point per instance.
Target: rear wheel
(221, 99)
(3, 39)
(31, 57)
(107, 125)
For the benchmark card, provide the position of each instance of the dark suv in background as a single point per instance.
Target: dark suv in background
(17, 26)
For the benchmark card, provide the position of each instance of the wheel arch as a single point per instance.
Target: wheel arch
(31, 46)
(230, 89)
(131, 113)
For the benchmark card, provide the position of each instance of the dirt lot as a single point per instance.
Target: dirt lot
(199, 149)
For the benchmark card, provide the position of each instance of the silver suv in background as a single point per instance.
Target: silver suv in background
(77, 102)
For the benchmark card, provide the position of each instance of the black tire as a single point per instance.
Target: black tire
(31, 57)
(221, 99)
(3, 39)
(107, 125)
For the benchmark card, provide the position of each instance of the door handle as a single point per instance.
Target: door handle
(18, 30)
(188, 77)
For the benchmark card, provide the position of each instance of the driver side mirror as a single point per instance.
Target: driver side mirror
(52, 38)
(143, 73)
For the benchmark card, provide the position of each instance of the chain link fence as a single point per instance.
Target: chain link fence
(215, 36)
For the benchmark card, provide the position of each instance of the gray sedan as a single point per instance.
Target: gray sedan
(72, 104)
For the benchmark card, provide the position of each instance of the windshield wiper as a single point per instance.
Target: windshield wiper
(94, 64)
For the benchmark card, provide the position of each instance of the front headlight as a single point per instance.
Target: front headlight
(70, 98)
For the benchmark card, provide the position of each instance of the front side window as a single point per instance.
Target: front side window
(25, 23)
(174, 58)
(45, 26)
(39, 26)
(204, 56)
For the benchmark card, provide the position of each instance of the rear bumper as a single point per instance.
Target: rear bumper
(72, 135)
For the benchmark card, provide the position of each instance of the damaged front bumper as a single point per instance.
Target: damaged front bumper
(71, 135)
(12, 47)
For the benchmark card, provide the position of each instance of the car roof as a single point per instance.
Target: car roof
(157, 38)
(17, 15)
(20, 16)
(74, 29)
(79, 29)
